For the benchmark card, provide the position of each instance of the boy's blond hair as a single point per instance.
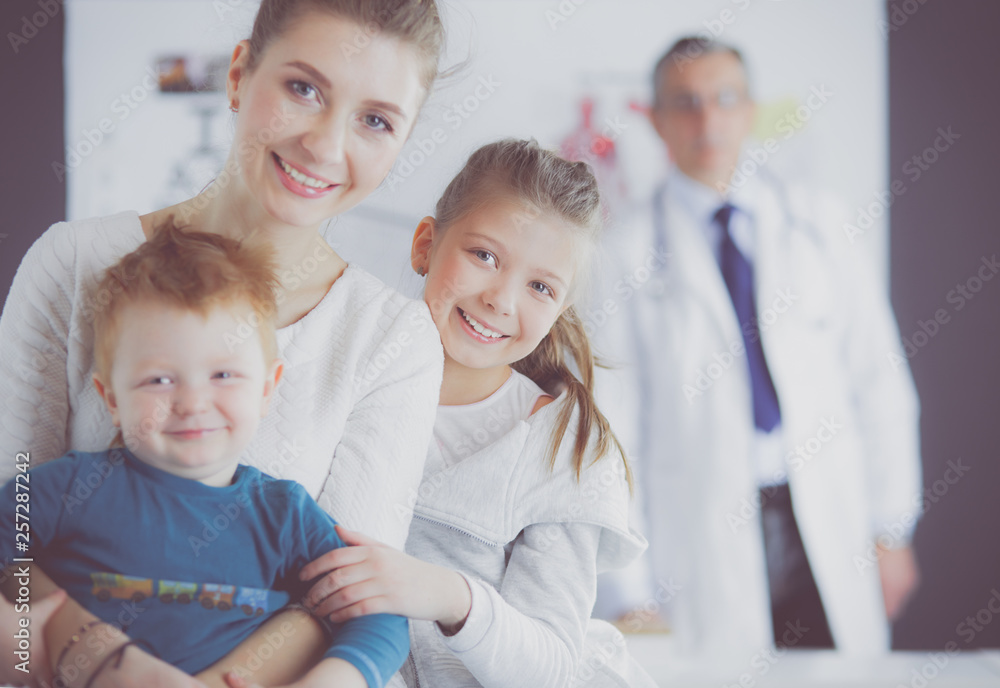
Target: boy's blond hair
(191, 271)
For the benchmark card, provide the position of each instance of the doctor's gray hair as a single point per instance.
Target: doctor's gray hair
(545, 184)
(683, 51)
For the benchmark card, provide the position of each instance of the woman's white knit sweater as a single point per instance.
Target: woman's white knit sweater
(350, 420)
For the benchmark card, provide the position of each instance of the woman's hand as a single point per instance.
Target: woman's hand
(39, 673)
(372, 578)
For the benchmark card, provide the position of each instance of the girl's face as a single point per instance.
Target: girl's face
(321, 119)
(497, 280)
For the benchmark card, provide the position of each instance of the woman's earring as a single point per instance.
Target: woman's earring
(421, 271)
(233, 108)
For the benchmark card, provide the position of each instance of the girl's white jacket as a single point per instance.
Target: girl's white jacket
(530, 542)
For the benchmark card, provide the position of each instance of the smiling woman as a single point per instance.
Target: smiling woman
(320, 120)
(344, 121)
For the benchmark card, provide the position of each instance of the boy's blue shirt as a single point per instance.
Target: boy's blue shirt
(191, 569)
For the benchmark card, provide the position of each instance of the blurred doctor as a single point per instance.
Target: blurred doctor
(774, 420)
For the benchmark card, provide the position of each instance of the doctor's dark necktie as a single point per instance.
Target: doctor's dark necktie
(738, 275)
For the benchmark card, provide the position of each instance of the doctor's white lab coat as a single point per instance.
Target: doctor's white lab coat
(681, 402)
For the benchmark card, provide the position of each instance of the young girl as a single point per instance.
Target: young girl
(525, 491)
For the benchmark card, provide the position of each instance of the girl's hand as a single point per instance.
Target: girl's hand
(372, 578)
(40, 674)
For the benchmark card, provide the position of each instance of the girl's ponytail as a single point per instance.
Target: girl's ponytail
(547, 366)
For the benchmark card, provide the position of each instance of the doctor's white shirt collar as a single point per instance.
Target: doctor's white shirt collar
(701, 202)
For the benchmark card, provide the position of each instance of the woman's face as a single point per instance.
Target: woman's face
(322, 116)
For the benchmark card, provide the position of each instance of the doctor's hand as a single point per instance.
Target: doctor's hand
(900, 578)
(372, 578)
(641, 621)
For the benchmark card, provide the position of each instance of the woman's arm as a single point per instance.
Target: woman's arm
(26, 660)
(379, 461)
(35, 327)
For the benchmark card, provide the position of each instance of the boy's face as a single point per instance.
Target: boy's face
(186, 391)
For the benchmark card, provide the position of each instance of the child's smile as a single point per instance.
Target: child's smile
(480, 331)
(497, 282)
(186, 391)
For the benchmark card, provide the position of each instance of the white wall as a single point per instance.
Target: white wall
(541, 56)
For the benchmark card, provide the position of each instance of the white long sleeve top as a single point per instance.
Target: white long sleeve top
(363, 361)
(529, 542)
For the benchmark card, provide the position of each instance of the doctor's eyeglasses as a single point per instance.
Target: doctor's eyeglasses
(726, 99)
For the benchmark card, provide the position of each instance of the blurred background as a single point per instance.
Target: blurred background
(112, 105)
